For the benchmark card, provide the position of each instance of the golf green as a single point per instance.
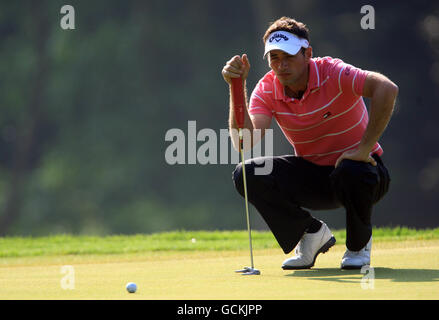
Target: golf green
(406, 269)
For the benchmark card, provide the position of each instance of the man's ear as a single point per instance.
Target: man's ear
(308, 53)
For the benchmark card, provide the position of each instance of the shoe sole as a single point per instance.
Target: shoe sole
(352, 267)
(323, 249)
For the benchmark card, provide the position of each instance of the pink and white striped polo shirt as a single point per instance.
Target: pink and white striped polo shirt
(330, 118)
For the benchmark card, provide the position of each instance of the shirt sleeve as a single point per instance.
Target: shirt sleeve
(259, 102)
(350, 78)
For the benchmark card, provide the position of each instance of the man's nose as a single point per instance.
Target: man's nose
(284, 63)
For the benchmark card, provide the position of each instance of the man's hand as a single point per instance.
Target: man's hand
(235, 68)
(356, 155)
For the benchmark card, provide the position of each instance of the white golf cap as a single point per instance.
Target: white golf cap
(285, 41)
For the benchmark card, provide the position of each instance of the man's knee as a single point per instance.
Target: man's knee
(354, 176)
(238, 179)
(254, 181)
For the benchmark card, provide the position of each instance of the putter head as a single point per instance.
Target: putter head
(247, 271)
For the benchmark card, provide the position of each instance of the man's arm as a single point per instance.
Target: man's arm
(248, 124)
(256, 121)
(382, 93)
(234, 68)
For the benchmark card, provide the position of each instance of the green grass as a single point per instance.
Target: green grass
(174, 241)
(170, 266)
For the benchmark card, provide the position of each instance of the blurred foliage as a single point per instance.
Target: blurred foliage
(84, 112)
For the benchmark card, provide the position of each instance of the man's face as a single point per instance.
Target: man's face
(289, 69)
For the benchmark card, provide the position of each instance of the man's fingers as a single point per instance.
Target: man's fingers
(231, 73)
(233, 69)
(235, 62)
(245, 60)
(236, 67)
(370, 159)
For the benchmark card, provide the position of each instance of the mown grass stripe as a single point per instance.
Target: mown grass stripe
(173, 241)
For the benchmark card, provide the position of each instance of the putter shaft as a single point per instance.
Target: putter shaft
(245, 195)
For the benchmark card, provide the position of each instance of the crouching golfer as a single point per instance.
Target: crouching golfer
(318, 104)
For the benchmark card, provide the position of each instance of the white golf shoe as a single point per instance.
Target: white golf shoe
(357, 259)
(309, 247)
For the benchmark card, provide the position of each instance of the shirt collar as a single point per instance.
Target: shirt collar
(313, 82)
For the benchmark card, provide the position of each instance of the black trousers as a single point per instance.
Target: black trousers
(296, 184)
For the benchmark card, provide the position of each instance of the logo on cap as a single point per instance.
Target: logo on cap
(278, 37)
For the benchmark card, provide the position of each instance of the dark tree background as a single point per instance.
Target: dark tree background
(84, 112)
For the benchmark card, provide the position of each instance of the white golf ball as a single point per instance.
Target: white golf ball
(131, 287)
(194, 240)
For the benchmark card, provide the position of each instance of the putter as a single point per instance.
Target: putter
(239, 105)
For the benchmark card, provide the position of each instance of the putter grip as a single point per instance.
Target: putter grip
(238, 101)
